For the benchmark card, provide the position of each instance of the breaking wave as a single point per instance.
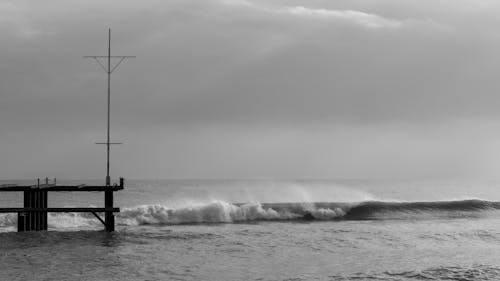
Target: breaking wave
(224, 212)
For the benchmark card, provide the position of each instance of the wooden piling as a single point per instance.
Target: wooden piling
(109, 217)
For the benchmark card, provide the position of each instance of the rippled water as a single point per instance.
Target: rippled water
(457, 240)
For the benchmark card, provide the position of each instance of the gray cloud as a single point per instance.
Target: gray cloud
(248, 88)
(363, 19)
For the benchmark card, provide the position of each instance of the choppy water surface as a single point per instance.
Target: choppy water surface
(266, 230)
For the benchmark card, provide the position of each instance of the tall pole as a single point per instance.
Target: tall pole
(108, 179)
(108, 69)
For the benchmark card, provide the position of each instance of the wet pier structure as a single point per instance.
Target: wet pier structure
(33, 215)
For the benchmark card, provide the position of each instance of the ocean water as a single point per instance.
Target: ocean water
(265, 230)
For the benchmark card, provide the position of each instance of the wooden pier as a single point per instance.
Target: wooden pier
(33, 215)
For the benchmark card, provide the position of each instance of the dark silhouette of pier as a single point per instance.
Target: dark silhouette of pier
(33, 215)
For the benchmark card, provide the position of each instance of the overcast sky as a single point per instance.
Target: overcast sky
(252, 89)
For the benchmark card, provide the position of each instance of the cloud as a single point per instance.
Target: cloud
(240, 88)
(361, 18)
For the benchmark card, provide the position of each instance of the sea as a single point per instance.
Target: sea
(264, 229)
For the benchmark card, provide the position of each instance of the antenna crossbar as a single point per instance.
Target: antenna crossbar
(109, 57)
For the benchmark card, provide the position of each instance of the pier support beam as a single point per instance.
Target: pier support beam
(33, 221)
(109, 217)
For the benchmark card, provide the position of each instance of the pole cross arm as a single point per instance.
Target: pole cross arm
(109, 57)
(110, 68)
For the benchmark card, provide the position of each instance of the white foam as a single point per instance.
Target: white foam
(218, 212)
(71, 220)
(215, 212)
(8, 220)
(327, 214)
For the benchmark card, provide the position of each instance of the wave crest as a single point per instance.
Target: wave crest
(214, 212)
(224, 212)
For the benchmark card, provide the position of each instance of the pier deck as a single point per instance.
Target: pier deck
(52, 187)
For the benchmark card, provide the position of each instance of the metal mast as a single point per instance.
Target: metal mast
(108, 68)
